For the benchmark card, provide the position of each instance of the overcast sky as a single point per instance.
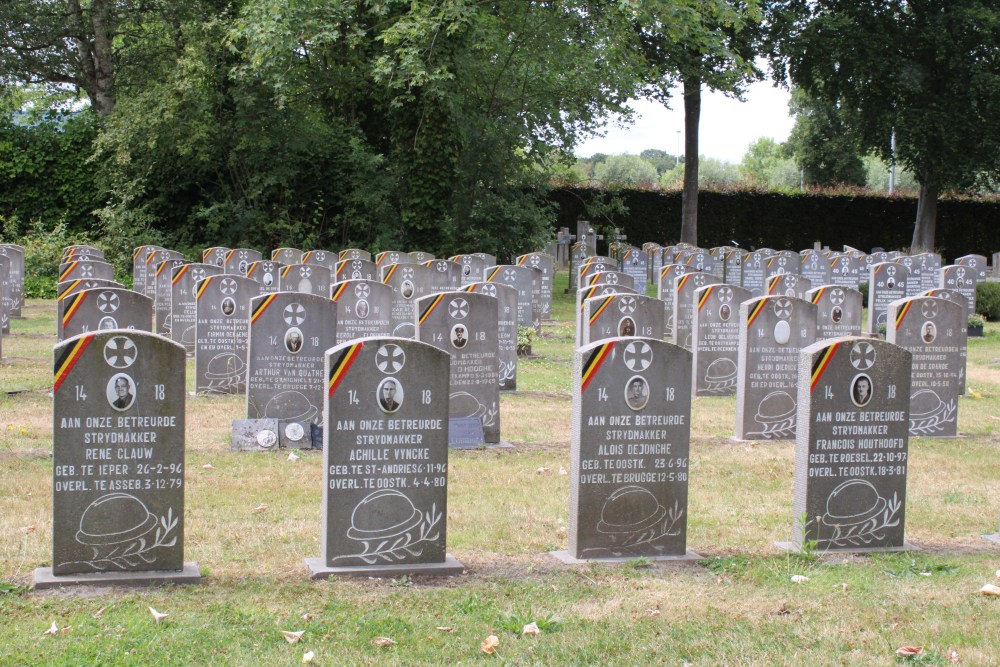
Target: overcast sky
(728, 126)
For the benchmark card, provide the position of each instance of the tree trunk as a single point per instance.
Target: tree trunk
(92, 40)
(689, 198)
(924, 227)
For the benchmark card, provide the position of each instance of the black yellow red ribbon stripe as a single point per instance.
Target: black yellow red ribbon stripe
(430, 308)
(340, 367)
(261, 307)
(601, 308)
(593, 364)
(756, 311)
(821, 364)
(67, 360)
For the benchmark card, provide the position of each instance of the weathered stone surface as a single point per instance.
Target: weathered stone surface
(473, 268)
(355, 269)
(846, 269)
(665, 293)
(238, 260)
(355, 253)
(630, 450)
(86, 270)
(305, 279)
(958, 298)
(221, 333)
(445, 274)
(183, 304)
(153, 261)
(851, 446)
(886, 283)
(255, 435)
(104, 309)
(163, 296)
(620, 315)
(754, 267)
(420, 257)
(506, 297)
(788, 284)
(716, 329)
(364, 309)
(930, 276)
(978, 263)
(409, 282)
(933, 331)
(546, 264)
(838, 311)
(773, 330)
(815, 267)
(286, 256)
(521, 278)
(118, 454)
(15, 273)
(465, 325)
(684, 305)
(634, 263)
(324, 258)
(388, 257)
(216, 256)
(139, 270)
(961, 279)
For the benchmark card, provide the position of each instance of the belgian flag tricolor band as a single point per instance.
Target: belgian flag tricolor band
(430, 308)
(601, 308)
(593, 364)
(339, 291)
(704, 297)
(261, 307)
(135, 253)
(341, 267)
(821, 364)
(274, 253)
(902, 313)
(229, 256)
(682, 282)
(68, 289)
(163, 265)
(388, 274)
(73, 304)
(756, 311)
(771, 261)
(522, 260)
(202, 287)
(68, 271)
(493, 275)
(284, 272)
(181, 270)
(305, 257)
(343, 363)
(381, 257)
(818, 295)
(772, 283)
(68, 358)
(586, 295)
(252, 268)
(150, 256)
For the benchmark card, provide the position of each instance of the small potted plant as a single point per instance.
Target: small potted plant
(525, 337)
(976, 324)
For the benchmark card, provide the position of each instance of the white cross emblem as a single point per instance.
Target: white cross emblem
(108, 302)
(725, 294)
(783, 308)
(490, 289)
(362, 290)
(929, 308)
(458, 308)
(638, 356)
(294, 314)
(228, 286)
(120, 352)
(863, 356)
(509, 275)
(390, 358)
(837, 296)
(627, 304)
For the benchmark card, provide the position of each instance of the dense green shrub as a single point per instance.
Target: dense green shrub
(43, 246)
(988, 300)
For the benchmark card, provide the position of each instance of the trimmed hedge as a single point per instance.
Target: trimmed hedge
(794, 221)
(988, 300)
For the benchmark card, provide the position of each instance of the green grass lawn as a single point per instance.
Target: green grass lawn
(736, 606)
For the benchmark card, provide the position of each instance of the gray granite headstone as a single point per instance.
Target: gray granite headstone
(221, 332)
(609, 278)
(702, 261)
(355, 269)
(67, 289)
(815, 267)
(630, 451)
(464, 324)
(257, 435)
(506, 297)
(754, 267)
(733, 267)
(886, 283)
(153, 261)
(84, 252)
(290, 333)
(930, 276)
(488, 259)
(267, 274)
(633, 263)
(355, 253)
(621, 315)
(579, 254)
(163, 295)
(665, 293)
(654, 261)
(86, 270)
(139, 266)
(915, 285)
(473, 268)
(420, 257)
(385, 460)
(104, 309)
(838, 311)
(445, 275)
(589, 293)
(933, 330)
(684, 304)
(851, 446)
(15, 254)
(305, 279)
(961, 279)
(845, 270)
(286, 256)
(238, 260)
(592, 265)
(118, 461)
(389, 257)
(956, 297)
(409, 282)
(773, 330)
(786, 261)
(716, 330)
(788, 284)
(183, 304)
(324, 258)
(521, 278)
(979, 263)
(6, 299)
(546, 264)
(364, 309)
(216, 256)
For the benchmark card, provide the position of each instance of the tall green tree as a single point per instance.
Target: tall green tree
(928, 69)
(823, 144)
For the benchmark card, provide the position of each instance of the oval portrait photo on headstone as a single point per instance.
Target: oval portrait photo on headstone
(626, 327)
(861, 390)
(390, 395)
(107, 323)
(361, 310)
(637, 392)
(293, 340)
(406, 289)
(121, 392)
(228, 306)
(928, 332)
(459, 336)
(725, 312)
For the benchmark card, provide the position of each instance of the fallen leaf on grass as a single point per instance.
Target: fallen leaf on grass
(990, 589)
(531, 629)
(445, 628)
(307, 657)
(292, 637)
(27, 529)
(307, 617)
(292, 457)
(53, 629)
(542, 470)
(157, 616)
(383, 641)
(799, 579)
(489, 645)
(924, 574)
(909, 651)
(100, 612)
(652, 612)
(208, 466)
(952, 654)
(65, 631)
(260, 508)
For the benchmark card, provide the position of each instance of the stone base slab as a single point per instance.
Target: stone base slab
(564, 556)
(191, 574)
(794, 547)
(489, 446)
(450, 567)
(995, 538)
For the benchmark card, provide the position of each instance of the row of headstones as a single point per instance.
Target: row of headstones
(118, 477)
(748, 346)
(11, 286)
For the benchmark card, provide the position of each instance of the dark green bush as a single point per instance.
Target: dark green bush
(988, 300)
(43, 247)
(863, 288)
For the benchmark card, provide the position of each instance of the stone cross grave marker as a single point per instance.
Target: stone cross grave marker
(621, 315)
(933, 331)
(851, 446)
(221, 333)
(630, 451)
(104, 309)
(385, 461)
(684, 304)
(838, 311)
(290, 333)
(364, 309)
(118, 462)
(183, 305)
(464, 324)
(716, 331)
(305, 279)
(506, 297)
(409, 282)
(773, 330)
(886, 283)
